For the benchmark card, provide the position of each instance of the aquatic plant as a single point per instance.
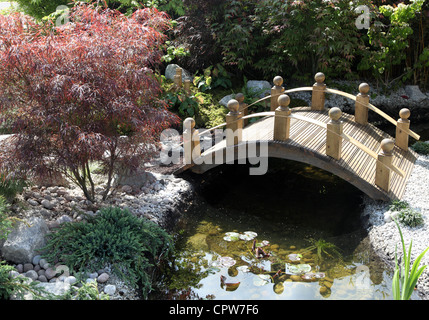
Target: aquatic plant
(404, 278)
(322, 248)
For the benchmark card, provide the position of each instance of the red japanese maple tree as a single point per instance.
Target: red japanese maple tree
(82, 92)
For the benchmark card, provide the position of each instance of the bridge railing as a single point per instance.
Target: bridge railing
(279, 105)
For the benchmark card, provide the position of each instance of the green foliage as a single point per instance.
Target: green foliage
(388, 41)
(40, 8)
(88, 291)
(213, 77)
(174, 52)
(10, 186)
(5, 223)
(407, 215)
(179, 102)
(131, 245)
(324, 248)
(421, 147)
(18, 286)
(406, 276)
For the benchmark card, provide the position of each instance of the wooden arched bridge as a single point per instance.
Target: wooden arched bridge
(343, 144)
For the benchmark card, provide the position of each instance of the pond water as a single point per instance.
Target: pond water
(306, 223)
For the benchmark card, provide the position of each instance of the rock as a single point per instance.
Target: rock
(64, 219)
(170, 72)
(44, 264)
(32, 275)
(259, 87)
(415, 94)
(70, 279)
(19, 268)
(33, 202)
(102, 278)
(110, 289)
(127, 189)
(42, 278)
(36, 259)
(47, 204)
(55, 288)
(93, 275)
(50, 273)
(24, 240)
(28, 267)
(224, 101)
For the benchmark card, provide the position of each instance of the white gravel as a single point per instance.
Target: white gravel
(384, 236)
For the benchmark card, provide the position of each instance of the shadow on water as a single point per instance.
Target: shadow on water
(291, 206)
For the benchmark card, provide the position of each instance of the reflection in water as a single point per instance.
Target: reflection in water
(293, 233)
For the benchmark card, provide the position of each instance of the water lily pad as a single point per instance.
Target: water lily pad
(308, 276)
(319, 275)
(263, 243)
(226, 261)
(294, 257)
(243, 269)
(298, 268)
(231, 236)
(261, 279)
(248, 235)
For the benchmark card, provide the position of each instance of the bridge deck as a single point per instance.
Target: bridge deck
(312, 139)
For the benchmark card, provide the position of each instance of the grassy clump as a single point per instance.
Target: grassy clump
(421, 147)
(407, 215)
(115, 237)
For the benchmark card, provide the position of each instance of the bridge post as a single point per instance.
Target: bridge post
(234, 123)
(178, 78)
(318, 95)
(361, 104)
(191, 141)
(276, 90)
(242, 107)
(402, 137)
(333, 132)
(281, 119)
(385, 157)
(187, 86)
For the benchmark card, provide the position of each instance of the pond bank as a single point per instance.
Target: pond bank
(384, 235)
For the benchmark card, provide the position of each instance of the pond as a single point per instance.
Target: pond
(293, 233)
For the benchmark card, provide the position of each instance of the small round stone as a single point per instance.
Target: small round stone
(103, 278)
(387, 146)
(335, 113)
(364, 88)
(110, 289)
(319, 77)
(32, 275)
(404, 113)
(28, 267)
(283, 100)
(50, 273)
(239, 97)
(278, 81)
(189, 122)
(42, 278)
(233, 105)
(36, 259)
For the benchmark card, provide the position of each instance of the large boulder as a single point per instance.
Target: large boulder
(415, 94)
(24, 240)
(170, 72)
(261, 88)
(53, 290)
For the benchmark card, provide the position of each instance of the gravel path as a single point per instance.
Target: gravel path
(384, 236)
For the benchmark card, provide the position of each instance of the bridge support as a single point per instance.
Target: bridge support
(361, 104)
(234, 124)
(276, 90)
(402, 137)
(318, 96)
(242, 107)
(178, 78)
(187, 86)
(281, 119)
(384, 159)
(191, 141)
(333, 134)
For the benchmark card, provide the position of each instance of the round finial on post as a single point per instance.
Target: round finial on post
(404, 113)
(189, 123)
(278, 81)
(335, 114)
(239, 97)
(319, 77)
(283, 101)
(364, 88)
(387, 146)
(233, 106)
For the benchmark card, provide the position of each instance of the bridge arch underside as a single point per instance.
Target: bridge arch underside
(275, 149)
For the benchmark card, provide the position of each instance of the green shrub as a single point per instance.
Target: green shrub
(410, 217)
(421, 147)
(115, 237)
(88, 291)
(5, 222)
(10, 186)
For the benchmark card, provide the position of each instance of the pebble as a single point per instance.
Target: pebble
(46, 204)
(102, 278)
(32, 275)
(33, 202)
(110, 289)
(50, 273)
